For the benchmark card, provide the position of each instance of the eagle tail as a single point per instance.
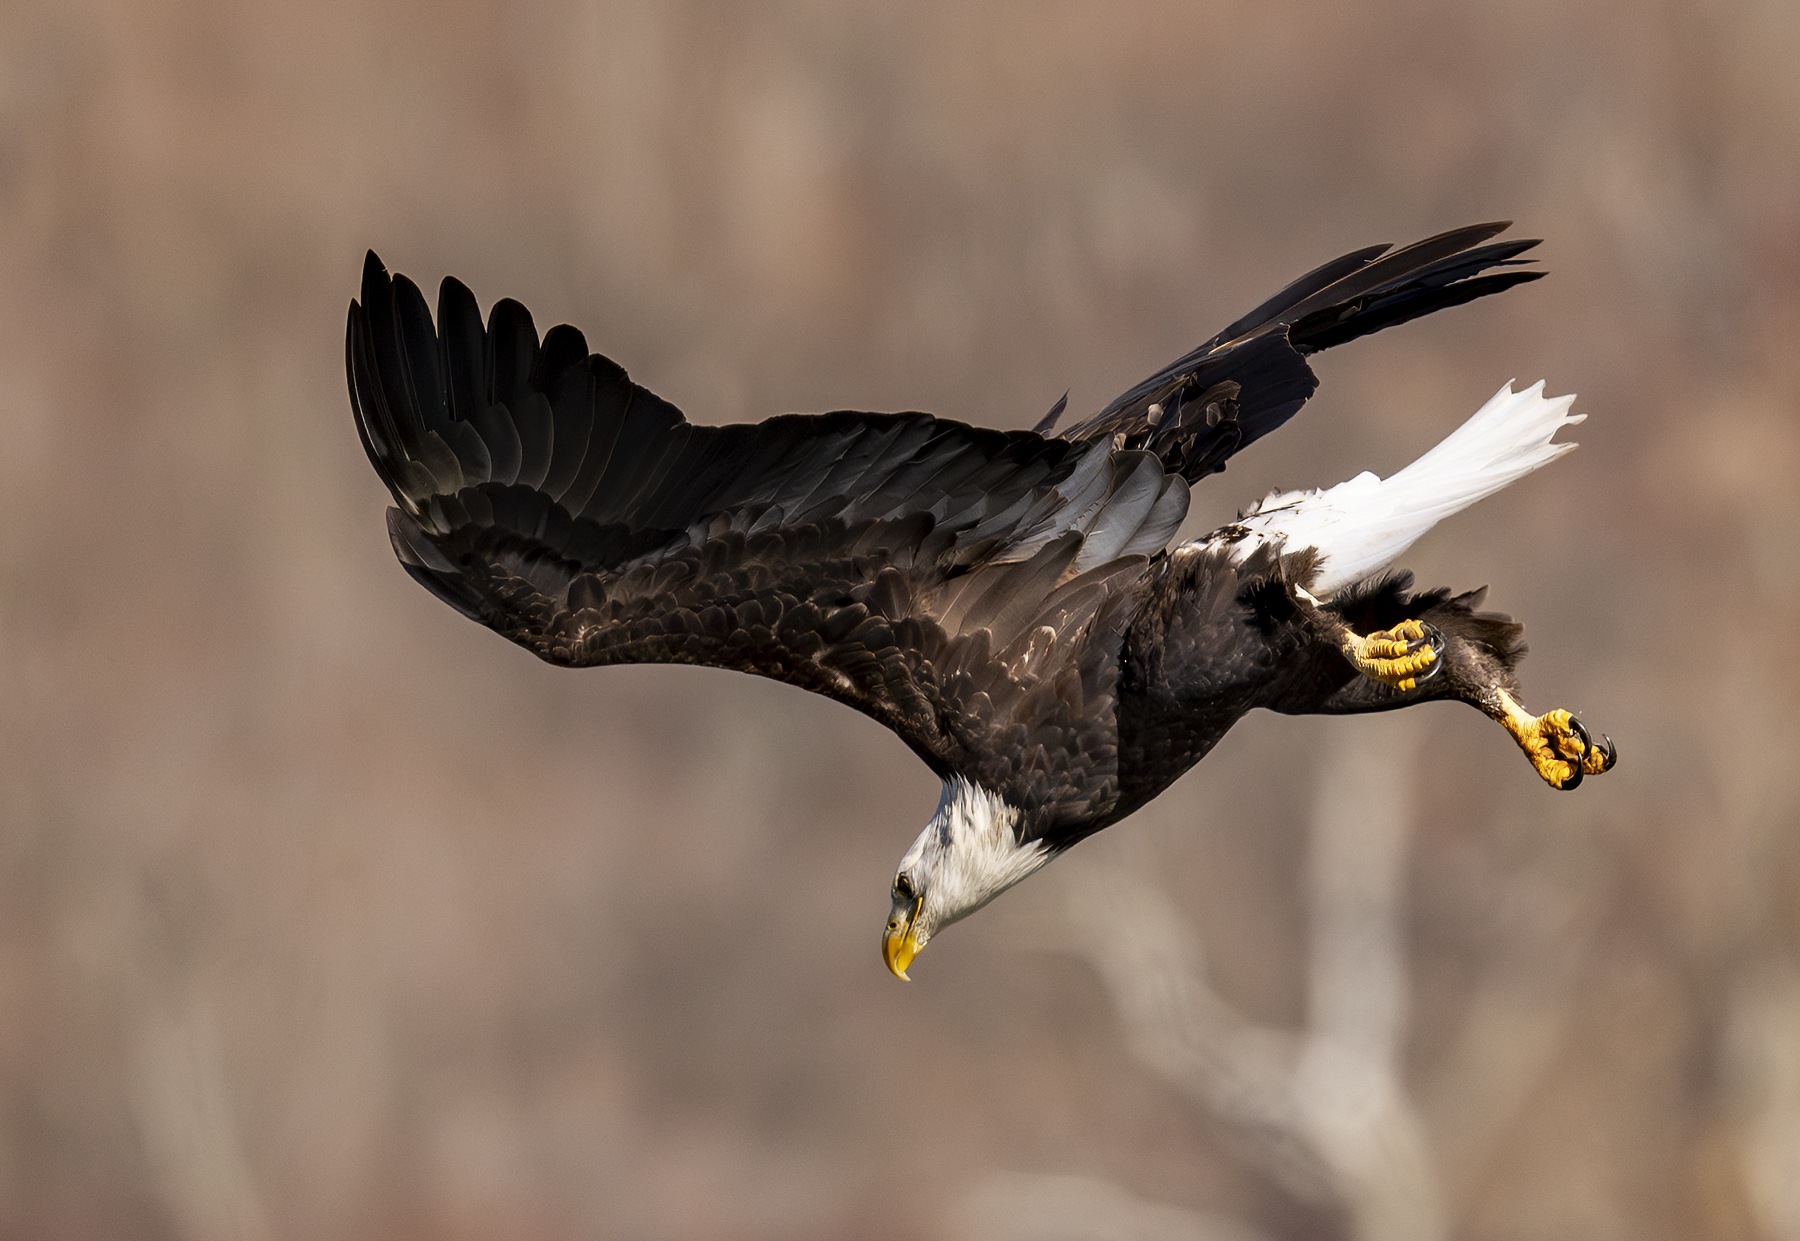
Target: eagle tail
(1360, 526)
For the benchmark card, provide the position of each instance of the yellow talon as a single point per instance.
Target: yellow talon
(1393, 656)
(1556, 743)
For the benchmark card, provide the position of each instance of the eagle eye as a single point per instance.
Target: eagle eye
(903, 888)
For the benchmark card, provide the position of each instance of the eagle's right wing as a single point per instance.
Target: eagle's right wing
(942, 578)
(1253, 376)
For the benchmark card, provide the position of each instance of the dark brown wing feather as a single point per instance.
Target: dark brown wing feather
(1253, 376)
(960, 585)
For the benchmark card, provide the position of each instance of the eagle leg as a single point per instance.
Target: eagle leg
(1457, 653)
(1558, 745)
(1401, 657)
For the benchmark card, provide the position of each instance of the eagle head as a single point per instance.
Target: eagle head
(967, 855)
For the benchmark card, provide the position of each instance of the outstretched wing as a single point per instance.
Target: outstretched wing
(1252, 377)
(947, 580)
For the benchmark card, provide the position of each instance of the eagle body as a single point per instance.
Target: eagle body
(1005, 601)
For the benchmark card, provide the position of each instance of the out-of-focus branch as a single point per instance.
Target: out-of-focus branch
(1757, 789)
(1150, 959)
(1539, 931)
(1349, 1094)
(1762, 1061)
(184, 1114)
(1322, 1112)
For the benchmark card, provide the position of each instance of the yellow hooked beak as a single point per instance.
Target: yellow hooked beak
(900, 945)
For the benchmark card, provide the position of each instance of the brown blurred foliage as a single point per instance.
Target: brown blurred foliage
(325, 913)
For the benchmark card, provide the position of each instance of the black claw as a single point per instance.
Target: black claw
(1611, 750)
(1434, 637)
(1576, 766)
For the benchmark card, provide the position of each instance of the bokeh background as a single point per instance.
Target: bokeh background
(326, 913)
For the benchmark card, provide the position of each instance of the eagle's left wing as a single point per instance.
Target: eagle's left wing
(945, 579)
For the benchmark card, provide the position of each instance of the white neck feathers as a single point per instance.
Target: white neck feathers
(968, 854)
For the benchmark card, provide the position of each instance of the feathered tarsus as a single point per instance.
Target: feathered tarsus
(1003, 600)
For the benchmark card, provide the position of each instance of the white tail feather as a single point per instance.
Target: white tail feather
(1360, 526)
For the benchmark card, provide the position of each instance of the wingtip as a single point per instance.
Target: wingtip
(1465, 238)
(375, 278)
(450, 287)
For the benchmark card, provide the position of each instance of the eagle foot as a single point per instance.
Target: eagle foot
(1400, 657)
(1559, 746)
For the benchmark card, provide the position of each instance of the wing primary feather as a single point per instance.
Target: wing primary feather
(462, 346)
(512, 356)
(1412, 304)
(563, 376)
(1395, 264)
(1323, 276)
(382, 384)
(611, 394)
(374, 443)
(409, 481)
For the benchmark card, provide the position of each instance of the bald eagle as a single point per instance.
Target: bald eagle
(1005, 601)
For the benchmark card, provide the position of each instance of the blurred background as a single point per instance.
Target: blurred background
(326, 913)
